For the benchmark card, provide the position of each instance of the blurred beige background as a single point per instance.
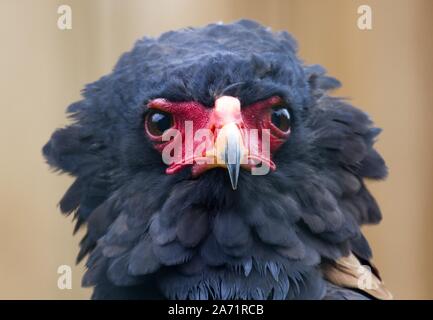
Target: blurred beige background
(387, 71)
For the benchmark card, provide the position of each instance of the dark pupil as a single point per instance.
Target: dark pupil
(159, 122)
(281, 119)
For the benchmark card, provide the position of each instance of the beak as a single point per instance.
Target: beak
(229, 147)
(232, 154)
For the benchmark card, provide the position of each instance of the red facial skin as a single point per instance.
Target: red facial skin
(255, 116)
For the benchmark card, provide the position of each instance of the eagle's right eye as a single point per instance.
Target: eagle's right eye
(157, 122)
(280, 118)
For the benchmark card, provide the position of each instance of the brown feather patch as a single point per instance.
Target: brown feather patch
(348, 272)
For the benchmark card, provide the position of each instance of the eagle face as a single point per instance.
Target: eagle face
(223, 136)
(212, 164)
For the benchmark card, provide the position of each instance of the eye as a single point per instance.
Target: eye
(280, 118)
(157, 122)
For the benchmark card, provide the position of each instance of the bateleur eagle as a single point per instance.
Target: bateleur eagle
(276, 219)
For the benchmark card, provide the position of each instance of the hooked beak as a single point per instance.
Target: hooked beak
(232, 155)
(229, 147)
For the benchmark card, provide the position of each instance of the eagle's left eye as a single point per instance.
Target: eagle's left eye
(157, 122)
(280, 118)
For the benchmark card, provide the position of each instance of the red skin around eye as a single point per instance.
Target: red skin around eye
(255, 116)
(181, 112)
(258, 116)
